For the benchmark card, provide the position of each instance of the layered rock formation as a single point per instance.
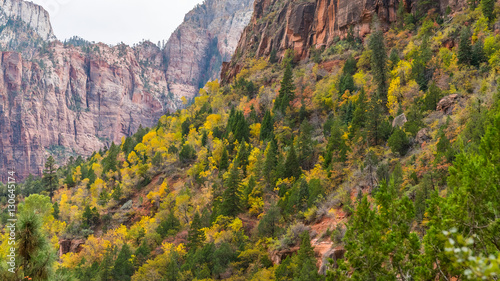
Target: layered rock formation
(302, 25)
(73, 102)
(207, 37)
(66, 100)
(34, 16)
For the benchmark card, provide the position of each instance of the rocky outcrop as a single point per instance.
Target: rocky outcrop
(301, 25)
(208, 36)
(447, 104)
(34, 16)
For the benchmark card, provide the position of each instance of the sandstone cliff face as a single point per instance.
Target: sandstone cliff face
(302, 25)
(61, 100)
(208, 36)
(71, 102)
(30, 14)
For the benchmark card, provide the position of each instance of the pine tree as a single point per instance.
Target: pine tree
(286, 92)
(270, 162)
(123, 268)
(478, 56)
(196, 236)
(488, 8)
(292, 165)
(267, 128)
(379, 64)
(306, 146)
(306, 269)
(393, 59)
(398, 142)
(374, 121)
(169, 226)
(336, 150)
(242, 157)
(359, 115)
(464, 46)
(231, 198)
(35, 254)
(419, 69)
(49, 178)
(269, 224)
(224, 161)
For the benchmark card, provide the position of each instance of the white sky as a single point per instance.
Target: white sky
(113, 21)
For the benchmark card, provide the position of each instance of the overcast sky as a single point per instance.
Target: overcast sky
(113, 21)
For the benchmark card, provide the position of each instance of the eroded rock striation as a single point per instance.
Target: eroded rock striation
(207, 37)
(301, 25)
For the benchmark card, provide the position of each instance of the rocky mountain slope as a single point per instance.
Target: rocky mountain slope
(305, 25)
(207, 37)
(72, 99)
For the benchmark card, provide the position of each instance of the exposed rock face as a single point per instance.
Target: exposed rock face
(70, 102)
(30, 14)
(302, 25)
(447, 104)
(399, 121)
(62, 100)
(208, 36)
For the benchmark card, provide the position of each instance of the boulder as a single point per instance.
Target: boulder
(447, 104)
(127, 206)
(422, 136)
(334, 254)
(399, 121)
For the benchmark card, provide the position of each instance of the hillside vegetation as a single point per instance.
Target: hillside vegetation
(377, 158)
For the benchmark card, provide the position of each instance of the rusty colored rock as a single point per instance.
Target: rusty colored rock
(303, 25)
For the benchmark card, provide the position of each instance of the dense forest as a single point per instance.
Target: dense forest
(386, 149)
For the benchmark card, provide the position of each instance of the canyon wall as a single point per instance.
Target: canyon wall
(74, 98)
(302, 25)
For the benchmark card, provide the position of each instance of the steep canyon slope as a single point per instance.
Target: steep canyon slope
(75, 98)
(276, 25)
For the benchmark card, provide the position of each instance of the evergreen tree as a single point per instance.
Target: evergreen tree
(359, 115)
(287, 90)
(238, 125)
(394, 58)
(231, 198)
(267, 127)
(478, 56)
(56, 211)
(375, 121)
(306, 146)
(336, 150)
(398, 142)
(196, 236)
(488, 8)
(123, 268)
(432, 97)
(34, 251)
(464, 46)
(269, 224)
(169, 226)
(419, 69)
(306, 261)
(49, 178)
(106, 265)
(224, 161)
(142, 254)
(379, 63)
(242, 157)
(292, 165)
(270, 162)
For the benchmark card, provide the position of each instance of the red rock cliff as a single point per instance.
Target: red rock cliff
(302, 25)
